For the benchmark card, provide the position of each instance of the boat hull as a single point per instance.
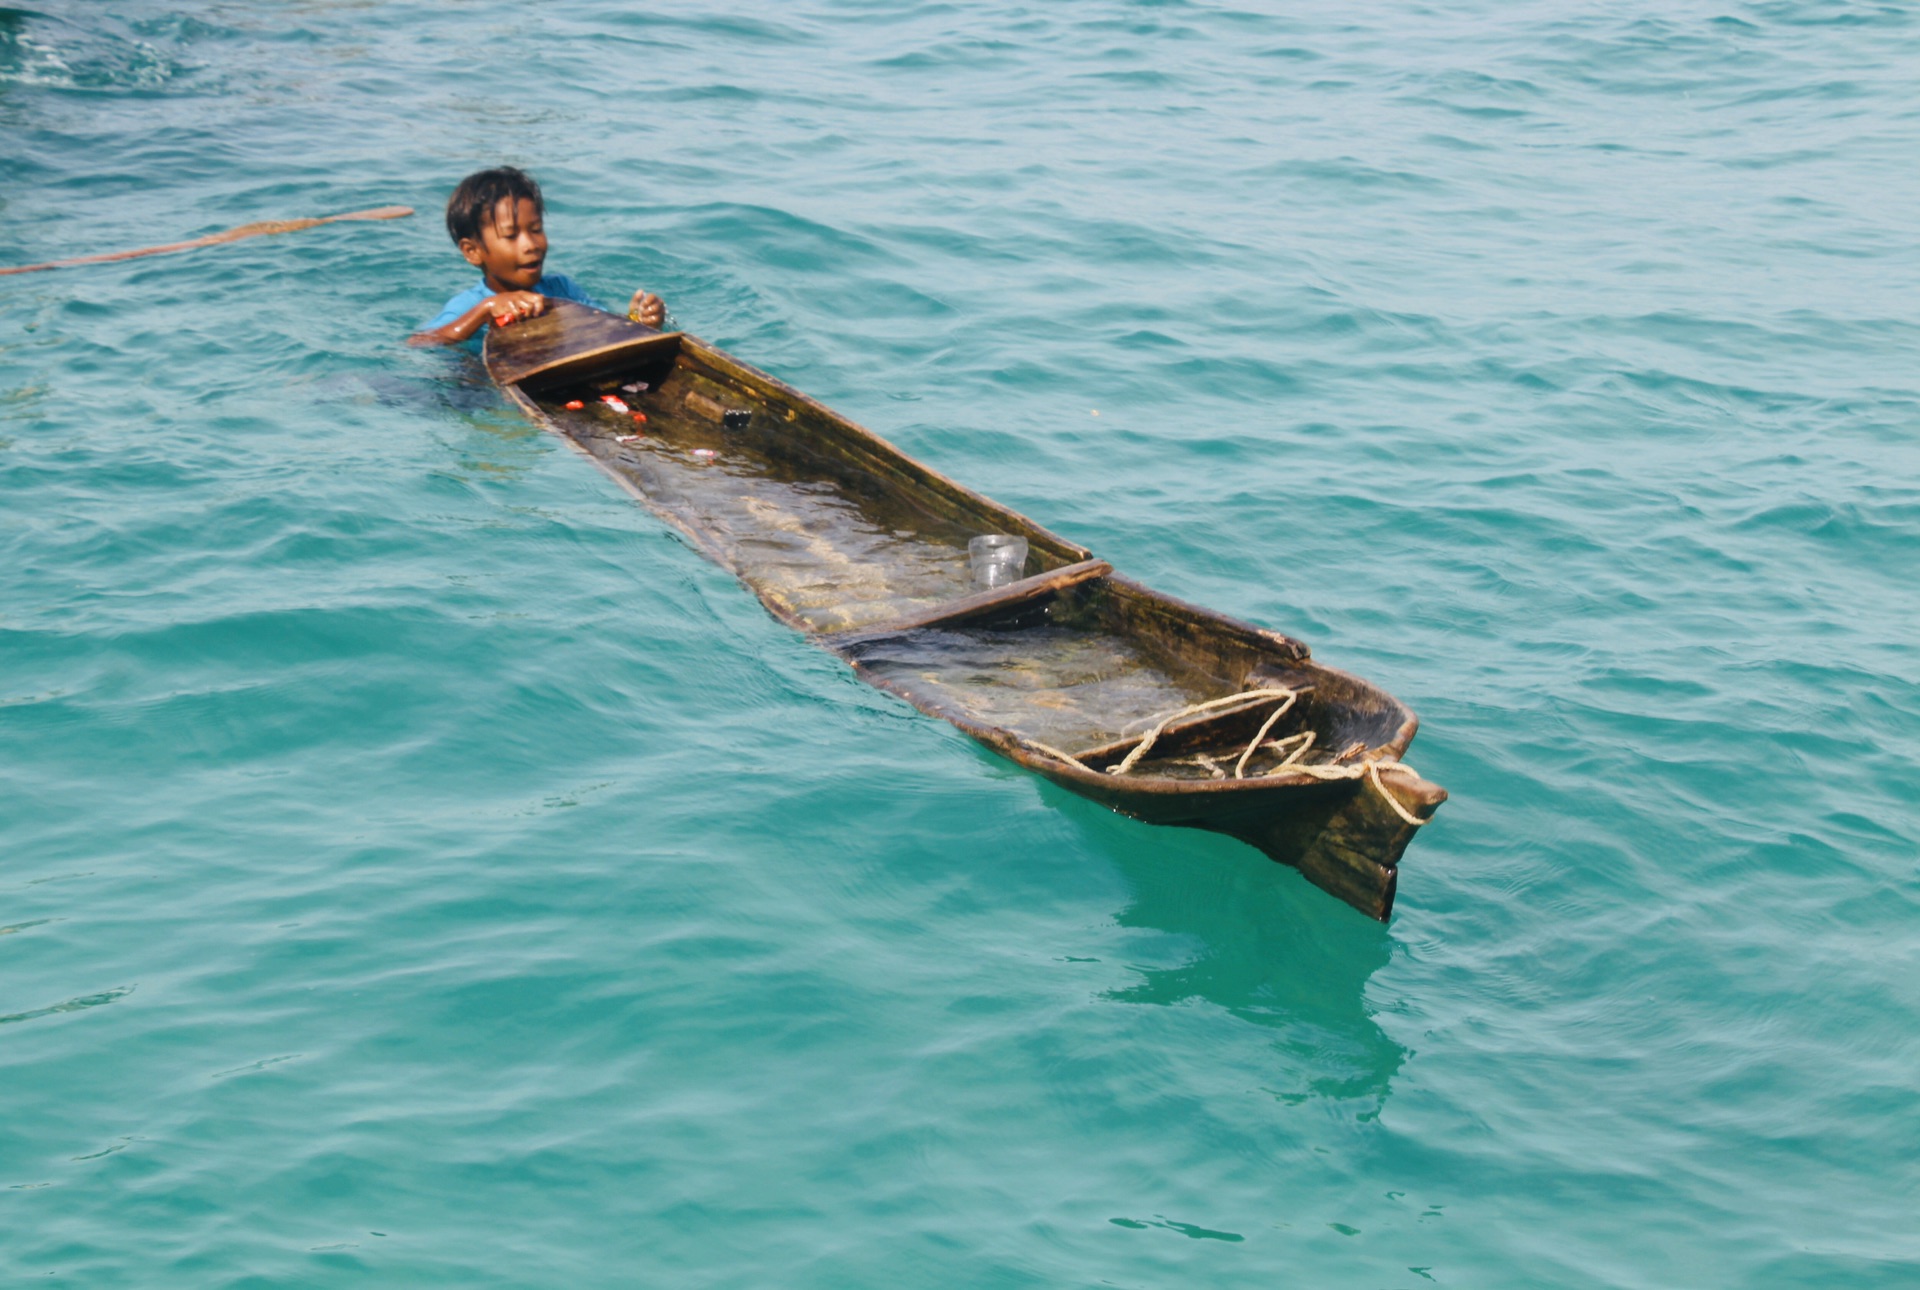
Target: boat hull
(1067, 672)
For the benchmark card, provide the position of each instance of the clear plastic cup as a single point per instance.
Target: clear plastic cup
(997, 559)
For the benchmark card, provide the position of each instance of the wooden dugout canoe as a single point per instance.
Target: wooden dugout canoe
(1066, 671)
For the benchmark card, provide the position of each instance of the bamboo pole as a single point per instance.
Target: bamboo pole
(262, 229)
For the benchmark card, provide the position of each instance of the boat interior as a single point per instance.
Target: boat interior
(844, 537)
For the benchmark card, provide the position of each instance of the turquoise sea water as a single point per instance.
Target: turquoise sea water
(418, 867)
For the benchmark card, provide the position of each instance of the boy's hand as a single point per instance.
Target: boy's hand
(502, 310)
(510, 307)
(647, 309)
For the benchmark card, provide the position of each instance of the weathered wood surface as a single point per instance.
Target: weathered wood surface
(1339, 833)
(967, 608)
(570, 341)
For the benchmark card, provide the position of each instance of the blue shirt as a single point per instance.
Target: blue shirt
(556, 285)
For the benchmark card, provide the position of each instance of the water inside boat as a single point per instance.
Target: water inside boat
(833, 544)
(820, 548)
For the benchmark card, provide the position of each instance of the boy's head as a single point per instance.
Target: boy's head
(496, 218)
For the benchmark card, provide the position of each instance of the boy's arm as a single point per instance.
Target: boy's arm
(502, 309)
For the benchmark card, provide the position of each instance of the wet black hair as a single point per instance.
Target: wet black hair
(480, 193)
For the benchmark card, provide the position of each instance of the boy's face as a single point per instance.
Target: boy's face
(512, 247)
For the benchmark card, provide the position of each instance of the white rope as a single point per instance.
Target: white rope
(1280, 745)
(1240, 767)
(1147, 741)
(1370, 769)
(1057, 755)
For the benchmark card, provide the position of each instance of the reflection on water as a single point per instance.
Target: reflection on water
(505, 445)
(442, 380)
(1269, 955)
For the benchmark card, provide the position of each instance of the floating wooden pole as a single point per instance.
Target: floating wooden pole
(261, 229)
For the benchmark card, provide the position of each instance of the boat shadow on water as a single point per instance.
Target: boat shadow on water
(437, 381)
(1258, 946)
(490, 437)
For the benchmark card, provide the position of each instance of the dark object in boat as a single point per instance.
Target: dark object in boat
(1161, 710)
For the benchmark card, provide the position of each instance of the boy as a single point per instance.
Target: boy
(496, 219)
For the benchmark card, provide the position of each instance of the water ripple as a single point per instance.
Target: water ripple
(488, 863)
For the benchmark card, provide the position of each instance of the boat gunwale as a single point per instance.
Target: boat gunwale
(1009, 742)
